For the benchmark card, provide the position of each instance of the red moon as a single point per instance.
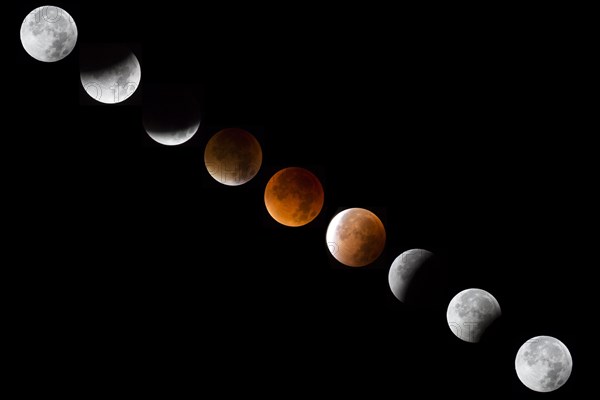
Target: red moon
(294, 196)
(356, 237)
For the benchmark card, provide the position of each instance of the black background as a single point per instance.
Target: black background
(464, 131)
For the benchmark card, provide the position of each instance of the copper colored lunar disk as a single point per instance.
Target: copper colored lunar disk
(294, 196)
(356, 237)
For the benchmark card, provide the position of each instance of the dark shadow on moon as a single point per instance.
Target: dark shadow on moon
(429, 284)
(94, 59)
(169, 109)
(109, 73)
(494, 332)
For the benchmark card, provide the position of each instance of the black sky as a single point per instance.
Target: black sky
(463, 135)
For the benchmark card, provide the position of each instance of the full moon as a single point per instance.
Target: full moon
(48, 34)
(171, 114)
(356, 237)
(233, 156)
(543, 363)
(109, 73)
(471, 312)
(294, 196)
(403, 270)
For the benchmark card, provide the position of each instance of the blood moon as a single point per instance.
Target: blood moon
(294, 196)
(356, 237)
(233, 156)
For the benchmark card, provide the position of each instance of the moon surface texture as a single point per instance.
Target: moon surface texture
(110, 73)
(171, 114)
(233, 156)
(48, 34)
(294, 196)
(471, 312)
(403, 270)
(356, 237)
(543, 364)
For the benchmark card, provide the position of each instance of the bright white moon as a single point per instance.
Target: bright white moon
(543, 364)
(48, 34)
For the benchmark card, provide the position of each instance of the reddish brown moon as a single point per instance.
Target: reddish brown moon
(356, 237)
(233, 156)
(294, 196)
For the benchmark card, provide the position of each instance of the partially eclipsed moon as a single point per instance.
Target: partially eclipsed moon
(233, 156)
(294, 196)
(403, 270)
(48, 34)
(171, 114)
(110, 73)
(543, 364)
(356, 237)
(470, 313)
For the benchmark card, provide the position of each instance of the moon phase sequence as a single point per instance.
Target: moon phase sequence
(48, 34)
(233, 156)
(356, 237)
(109, 73)
(543, 364)
(294, 196)
(470, 313)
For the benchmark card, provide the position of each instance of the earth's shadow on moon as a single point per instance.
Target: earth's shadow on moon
(494, 332)
(97, 61)
(101, 56)
(170, 111)
(379, 262)
(428, 287)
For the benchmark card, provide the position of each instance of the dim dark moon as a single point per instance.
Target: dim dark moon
(171, 114)
(233, 156)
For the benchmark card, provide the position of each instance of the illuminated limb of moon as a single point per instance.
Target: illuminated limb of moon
(233, 156)
(470, 313)
(403, 270)
(171, 114)
(109, 73)
(356, 237)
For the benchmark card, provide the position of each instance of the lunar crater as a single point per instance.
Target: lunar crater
(48, 39)
(233, 156)
(471, 312)
(359, 235)
(109, 73)
(294, 196)
(543, 364)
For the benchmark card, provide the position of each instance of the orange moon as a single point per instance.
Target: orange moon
(233, 156)
(356, 237)
(294, 196)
